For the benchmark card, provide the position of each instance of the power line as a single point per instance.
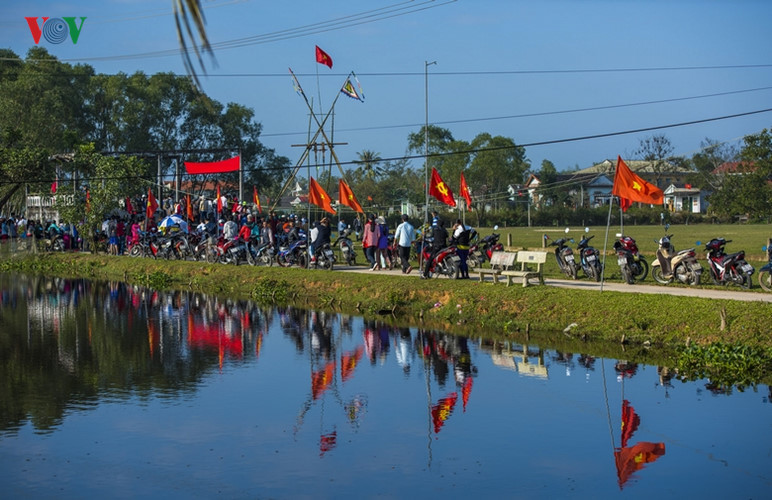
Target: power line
(365, 17)
(532, 115)
(469, 151)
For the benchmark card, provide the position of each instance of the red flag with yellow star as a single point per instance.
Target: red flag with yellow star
(629, 188)
(464, 189)
(323, 57)
(346, 197)
(256, 199)
(442, 410)
(318, 196)
(440, 190)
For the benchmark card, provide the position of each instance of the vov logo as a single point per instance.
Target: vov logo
(55, 29)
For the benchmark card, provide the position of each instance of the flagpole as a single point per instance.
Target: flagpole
(319, 131)
(426, 158)
(605, 242)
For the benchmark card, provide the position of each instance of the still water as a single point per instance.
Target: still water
(113, 391)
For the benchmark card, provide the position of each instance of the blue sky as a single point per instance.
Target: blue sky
(534, 71)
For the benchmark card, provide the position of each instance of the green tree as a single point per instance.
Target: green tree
(548, 192)
(748, 191)
(712, 155)
(369, 162)
(43, 101)
(496, 162)
(106, 180)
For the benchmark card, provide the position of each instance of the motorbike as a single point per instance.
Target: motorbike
(237, 251)
(671, 266)
(324, 257)
(564, 256)
(55, 243)
(180, 248)
(445, 263)
(631, 263)
(482, 251)
(589, 257)
(262, 254)
(294, 254)
(728, 268)
(346, 247)
(765, 273)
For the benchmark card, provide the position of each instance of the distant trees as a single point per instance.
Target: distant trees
(49, 107)
(748, 191)
(658, 150)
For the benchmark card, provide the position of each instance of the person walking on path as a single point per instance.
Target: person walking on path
(405, 235)
(370, 237)
(383, 244)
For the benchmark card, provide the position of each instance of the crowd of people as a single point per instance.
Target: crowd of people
(240, 221)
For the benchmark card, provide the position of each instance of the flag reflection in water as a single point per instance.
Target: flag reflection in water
(630, 459)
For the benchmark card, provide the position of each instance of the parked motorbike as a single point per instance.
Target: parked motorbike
(765, 273)
(482, 251)
(589, 257)
(564, 256)
(55, 243)
(346, 247)
(294, 254)
(631, 263)
(262, 255)
(237, 251)
(324, 257)
(671, 266)
(728, 268)
(445, 263)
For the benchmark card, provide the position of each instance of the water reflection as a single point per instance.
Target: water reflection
(70, 346)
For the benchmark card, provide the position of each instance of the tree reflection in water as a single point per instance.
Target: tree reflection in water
(70, 345)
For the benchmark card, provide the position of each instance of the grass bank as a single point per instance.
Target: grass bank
(458, 306)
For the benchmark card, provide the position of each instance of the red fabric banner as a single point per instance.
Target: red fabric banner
(212, 167)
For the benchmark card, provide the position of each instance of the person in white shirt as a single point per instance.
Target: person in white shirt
(405, 235)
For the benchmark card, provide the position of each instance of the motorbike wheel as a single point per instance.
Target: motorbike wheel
(572, 271)
(449, 269)
(251, 260)
(351, 260)
(714, 278)
(302, 260)
(212, 255)
(656, 273)
(472, 261)
(644, 270)
(765, 280)
(746, 282)
(265, 259)
(281, 259)
(598, 272)
(328, 264)
(627, 275)
(136, 251)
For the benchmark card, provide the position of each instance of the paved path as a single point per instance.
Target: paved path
(730, 293)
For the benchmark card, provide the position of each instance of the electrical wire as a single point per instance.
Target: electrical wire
(465, 152)
(365, 17)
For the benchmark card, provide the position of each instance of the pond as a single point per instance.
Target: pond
(116, 391)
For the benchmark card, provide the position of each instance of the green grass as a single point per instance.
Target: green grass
(750, 238)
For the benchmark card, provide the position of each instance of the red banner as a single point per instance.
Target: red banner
(213, 167)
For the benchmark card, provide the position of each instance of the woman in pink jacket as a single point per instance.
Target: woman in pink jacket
(370, 241)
